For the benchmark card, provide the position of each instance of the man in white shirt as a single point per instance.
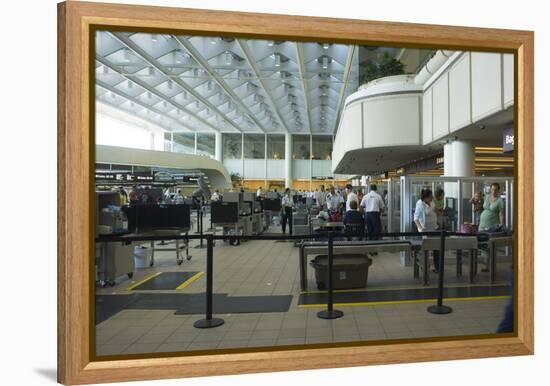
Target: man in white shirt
(259, 192)
(373, 205)
(286, 207)
(215, 196)
(321, 197)
(334, 201)
(350, 197)
(178, 198)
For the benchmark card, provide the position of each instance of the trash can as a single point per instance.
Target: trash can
(348, 271)
(142, 256)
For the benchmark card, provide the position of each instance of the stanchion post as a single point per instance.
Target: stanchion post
(209, 322)
(330, 312)
(439, 308)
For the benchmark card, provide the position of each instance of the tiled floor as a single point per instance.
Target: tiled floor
(266, 268)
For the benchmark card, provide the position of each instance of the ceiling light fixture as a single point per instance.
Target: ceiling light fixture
(213, 40)
(105, 70)
(277, 60)
(209, 85)
(164, 104)
(325, 46)
(270, 43)
(228, 58)
(154, 38)
(170, 84)
(325, 62)
(113, 95)
(196, 72)
(149, 95)
(151, 71)
(184, 94)
(197, 104)
(130, 84)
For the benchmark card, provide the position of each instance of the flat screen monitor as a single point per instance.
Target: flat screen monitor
(271, 204)
(224, 212)
(157, 216)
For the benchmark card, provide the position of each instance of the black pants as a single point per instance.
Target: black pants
(436, 260)
(287, 216)
(374, 225)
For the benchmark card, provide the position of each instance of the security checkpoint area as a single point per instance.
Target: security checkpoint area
(256, 193)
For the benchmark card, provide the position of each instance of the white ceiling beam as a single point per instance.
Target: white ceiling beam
(252, 63)
(140, 103)
(153, 91)
(164, 71)
(197, 56)
(302, 71)
(341, 99)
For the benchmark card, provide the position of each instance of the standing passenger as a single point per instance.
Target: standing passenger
(133, 196)
(373, 205)
(286, 204)
(351, 196)
(425, 219)
(492, 216)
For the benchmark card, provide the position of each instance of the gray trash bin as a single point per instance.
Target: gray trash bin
(348, 271)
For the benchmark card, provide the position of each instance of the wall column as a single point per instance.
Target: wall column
(218, 146)
(458, 161)
(288, 160)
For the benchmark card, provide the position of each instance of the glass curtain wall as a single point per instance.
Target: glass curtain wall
(206, 144)
(254, 146)
(321, 147)
(183, 143)
(301, 147)
(275, 146)
(232, 146)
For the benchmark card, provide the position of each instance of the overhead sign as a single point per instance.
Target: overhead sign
(508, 140)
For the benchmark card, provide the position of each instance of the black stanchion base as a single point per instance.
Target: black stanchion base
(440, 310)
(208, 323)
(326, 314)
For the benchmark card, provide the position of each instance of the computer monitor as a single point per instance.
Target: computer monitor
(157, 216)
(224, 212)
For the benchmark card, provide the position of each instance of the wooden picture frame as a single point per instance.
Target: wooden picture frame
(76, 22)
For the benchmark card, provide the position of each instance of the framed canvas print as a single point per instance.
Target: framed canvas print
(247, 192)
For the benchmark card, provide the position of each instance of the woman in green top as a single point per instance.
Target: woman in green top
(493, 210)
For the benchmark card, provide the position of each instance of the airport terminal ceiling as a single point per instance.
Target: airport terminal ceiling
(213, 84)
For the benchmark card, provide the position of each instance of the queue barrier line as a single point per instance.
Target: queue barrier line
(390, 302)
(193, 278)
(131, 287)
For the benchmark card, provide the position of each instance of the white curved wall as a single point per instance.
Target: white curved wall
(215, 170)
(413, 111)
(391, 120)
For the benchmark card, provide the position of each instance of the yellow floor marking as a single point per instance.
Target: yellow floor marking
(143, 281)
(401, 289)
(360, 304)
(190, 280)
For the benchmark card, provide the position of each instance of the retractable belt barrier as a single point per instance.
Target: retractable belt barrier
(330, 312)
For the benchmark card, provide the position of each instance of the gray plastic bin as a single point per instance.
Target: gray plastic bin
(348, 271)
